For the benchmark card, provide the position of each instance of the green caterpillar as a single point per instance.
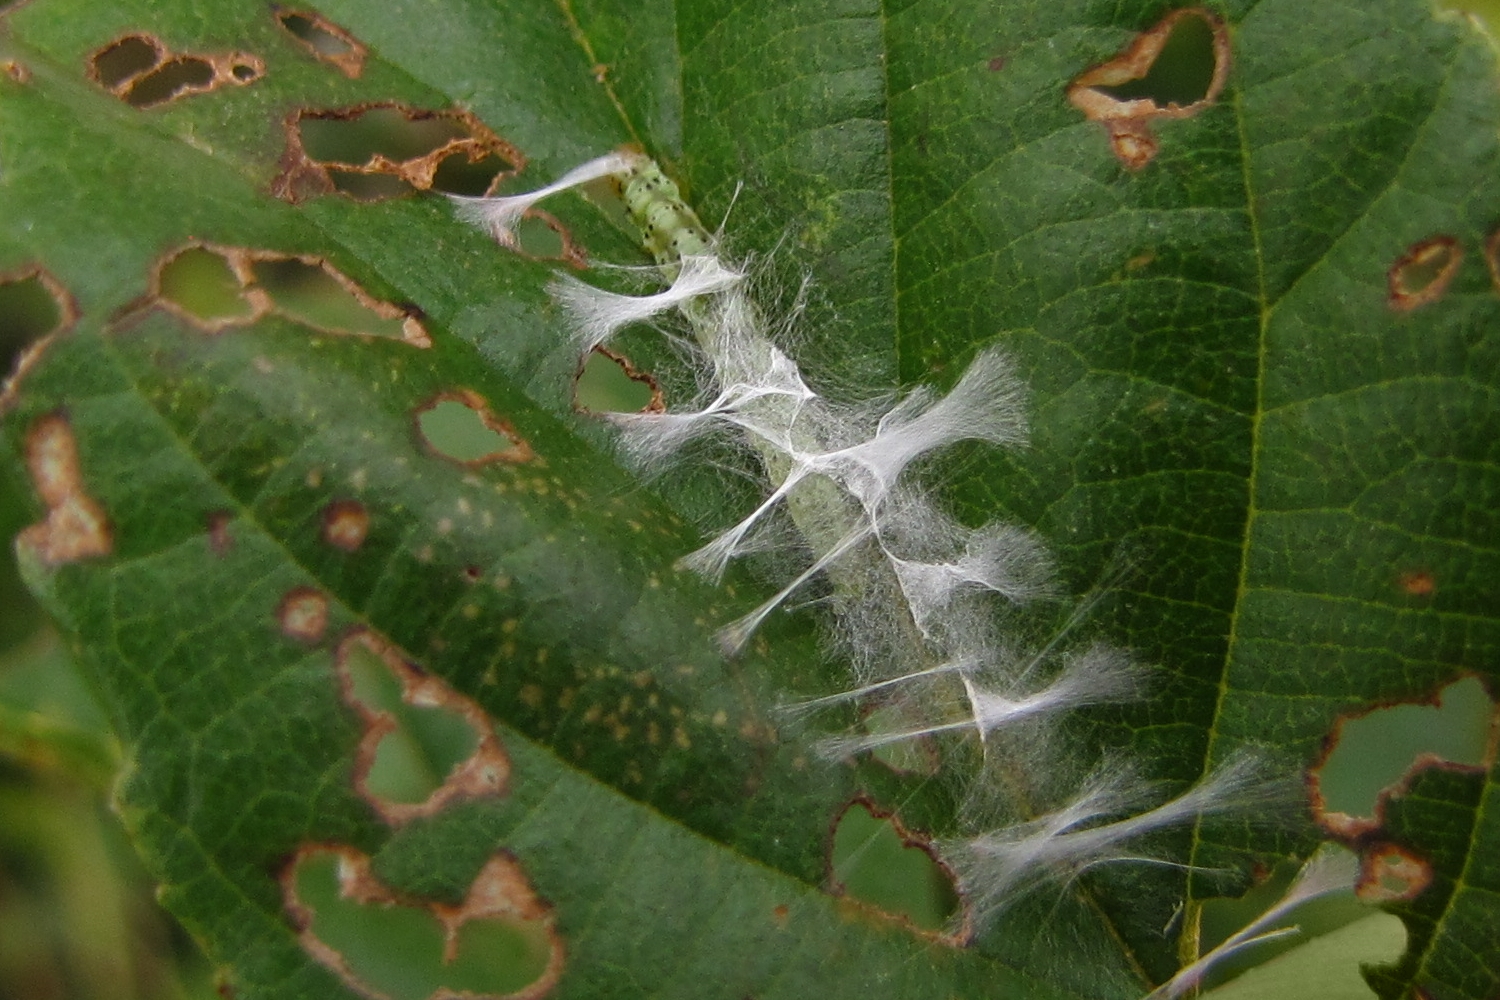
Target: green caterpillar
(669, 228)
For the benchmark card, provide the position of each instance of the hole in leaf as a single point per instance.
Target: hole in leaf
(406, 149)
(307, 293)
(122, 61)
(1182, 71)
(462, 173)
(324, 40)
(1173, 70)
(216, 287)
(1421, 275)
(202, 283)
(1316, 915)
(29, 310)
(368, 187)
(460, 427)
(346, 523)
(498, 943)
(878, 863)
(34, 307)
(76, 526)
(540, 236)
(390, 132)
(609, 384)
(140, 70)
(172, 78)
(1375, 751)
(538, 239)
(424, 744)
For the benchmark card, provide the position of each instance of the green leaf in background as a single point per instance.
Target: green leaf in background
(1260, 337)
(1327, 967)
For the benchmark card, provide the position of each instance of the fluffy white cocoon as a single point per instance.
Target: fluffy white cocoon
(917, 594)
(984, 405)
(500, 216)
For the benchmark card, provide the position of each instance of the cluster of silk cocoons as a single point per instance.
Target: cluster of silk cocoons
(920, 601)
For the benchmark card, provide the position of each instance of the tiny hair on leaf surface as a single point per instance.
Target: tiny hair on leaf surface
(1062, 421)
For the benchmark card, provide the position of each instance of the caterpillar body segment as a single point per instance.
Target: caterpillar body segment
(670, 229)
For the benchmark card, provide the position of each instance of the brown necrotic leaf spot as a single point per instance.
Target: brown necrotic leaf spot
(1390, 873)
(76, 526)
(345, 524)
(1422, 274)
(1492, 257)
(303, 614)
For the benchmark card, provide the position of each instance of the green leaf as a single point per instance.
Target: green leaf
(1300, 477)
(1327, 966)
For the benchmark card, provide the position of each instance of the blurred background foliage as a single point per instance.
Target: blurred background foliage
(77, 915)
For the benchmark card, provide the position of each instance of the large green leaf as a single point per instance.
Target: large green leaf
(1301, 477)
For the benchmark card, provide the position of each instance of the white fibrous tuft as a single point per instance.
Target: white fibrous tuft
(987, 404)
(732, 637)
(649, 437)
(500, 216)
(1002, 558)
(998, 700)
(597, 315)
(1101, 675)
(928, 611)
(996, 868)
